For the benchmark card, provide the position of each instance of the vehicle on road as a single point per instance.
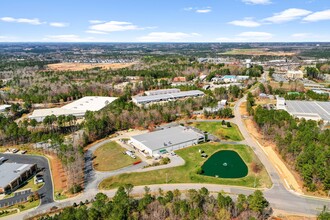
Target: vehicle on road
(23, 152)
(2, 160)
(14, 150)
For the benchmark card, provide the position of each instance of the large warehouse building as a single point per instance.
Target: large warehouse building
(166, 96)
(77, 108)
(12, 175)
(166, 140)
(310, 110)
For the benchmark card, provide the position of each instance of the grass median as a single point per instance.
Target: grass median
(110, 157)
(188, 172)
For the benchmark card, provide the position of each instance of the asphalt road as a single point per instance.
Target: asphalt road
(46, 192)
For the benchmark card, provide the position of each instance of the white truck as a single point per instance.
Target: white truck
(130, 153)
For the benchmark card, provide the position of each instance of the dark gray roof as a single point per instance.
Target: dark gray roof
(11, 171)
(167, 137)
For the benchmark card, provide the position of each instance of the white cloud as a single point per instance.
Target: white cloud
(318, 16)
(67, 38)
(203, 10)
(59, 24)
(95, 32)
(96, 21)
(247, 37)
(113, 26)
(288, 15)
(167, 36)
(8, 39)
(188, 9)
(252, 34)
(257, 2)
(199, 10)
(246, 22)
(34, 21)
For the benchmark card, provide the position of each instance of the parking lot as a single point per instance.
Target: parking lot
(46, 192)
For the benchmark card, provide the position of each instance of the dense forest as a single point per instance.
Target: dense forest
(302, 144)
(195, 204)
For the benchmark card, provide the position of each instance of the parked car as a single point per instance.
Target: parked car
(39, 180)
(23, 152)
(15, 150)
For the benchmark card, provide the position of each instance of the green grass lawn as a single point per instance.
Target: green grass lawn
(219, 130)
(27, 185)
(188, 172)
(22, 207)
(110, 157)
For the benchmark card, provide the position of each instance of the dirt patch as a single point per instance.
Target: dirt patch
(281, 215)
(290, 177)
(58, 173)
(258, 52)
(83, 66)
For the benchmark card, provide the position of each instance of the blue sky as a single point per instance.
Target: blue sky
(164, 20)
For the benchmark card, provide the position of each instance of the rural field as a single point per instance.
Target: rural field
(257, 52)
(219, 130)
(188, 172)
(110, 157)
(83, 66)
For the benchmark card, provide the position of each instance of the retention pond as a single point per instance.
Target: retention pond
(225, 164)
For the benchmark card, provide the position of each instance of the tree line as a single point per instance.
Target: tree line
(195, 204)
(303, 144)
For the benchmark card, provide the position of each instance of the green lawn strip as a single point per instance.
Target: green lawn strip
(219, 130)
(187, 172)
(27, 185)
(21, 206)
(110, 157)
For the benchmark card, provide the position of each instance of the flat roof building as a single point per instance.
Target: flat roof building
(12, 175)
(166, 97)
(162, 91)
(292, 74)
(77, 108)
(168, 139)
(309, 110)
(4, 107)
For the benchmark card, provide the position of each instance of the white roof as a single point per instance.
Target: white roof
(3, 107)
(55, 111)
(90, 103)
(167, 137)
(77, 108)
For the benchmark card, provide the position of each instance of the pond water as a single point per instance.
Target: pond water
(225, 164)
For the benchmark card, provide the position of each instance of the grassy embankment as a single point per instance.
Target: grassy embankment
(110, 157)
(219, 130)
(188, 172)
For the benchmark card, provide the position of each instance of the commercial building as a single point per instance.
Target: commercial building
(166, 140)
(221, 105)
(12, 175)
(166, 97)
(309, 110)
(162, 91)
(230, 79)
(291, 74)
(4, 107)
(77, 108)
